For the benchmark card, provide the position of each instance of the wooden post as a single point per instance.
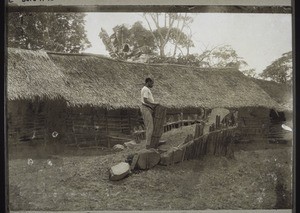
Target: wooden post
(218, 122)
(201, 129)
(129, 121)
(212, 128)
(181, 119)
(158, 122)
(196, 135)
(74, 132)
(198, 147)
(165, 120)
(107, 132)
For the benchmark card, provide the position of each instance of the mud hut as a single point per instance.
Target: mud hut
(86, 99)
(187, 92)
(35, 89)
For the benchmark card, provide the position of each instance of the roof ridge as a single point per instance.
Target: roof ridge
(134, 62)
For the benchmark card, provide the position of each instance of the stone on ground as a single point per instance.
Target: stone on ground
(134, 162)
(173, 155)
(119, 171)
(130, 144)
(148, 158)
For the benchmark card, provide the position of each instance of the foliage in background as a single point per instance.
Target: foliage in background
(172, 32)
(217, 57)
(169, 28)
(130, 43)
(125, 43)
(59, 32)
(281, 70)
(190, 60)
(222, 56)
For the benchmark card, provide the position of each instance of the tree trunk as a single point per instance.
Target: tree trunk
(162, 51)
(187, 51)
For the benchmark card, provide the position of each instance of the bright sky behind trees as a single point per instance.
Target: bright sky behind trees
(258, 38)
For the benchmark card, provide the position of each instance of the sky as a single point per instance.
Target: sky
(258, 38)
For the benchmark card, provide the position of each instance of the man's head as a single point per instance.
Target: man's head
(149, 82)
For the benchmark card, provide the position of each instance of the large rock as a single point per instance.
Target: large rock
(119, 171)
(148, 158)
(134, 162)
(173, 155)
(130, 144)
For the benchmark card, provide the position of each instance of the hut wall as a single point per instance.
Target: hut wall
(85, 126)
(118, 126)
(92, 126)
(16, 116)
(35, 121)
(254, 123)
(136, 122)
(53, 122)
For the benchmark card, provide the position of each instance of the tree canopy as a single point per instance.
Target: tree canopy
(167, 38)
(60, 32)
(169, 28)
(221, 56)
(280, 70)
(163, 30)
(125, 43)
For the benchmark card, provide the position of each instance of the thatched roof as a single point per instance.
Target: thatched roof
(282, 93)
(32, 74)
(98, 80)
(101, 81)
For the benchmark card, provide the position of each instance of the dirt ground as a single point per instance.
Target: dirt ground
(259, 177)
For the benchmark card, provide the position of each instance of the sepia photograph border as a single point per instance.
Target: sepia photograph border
(190, 6)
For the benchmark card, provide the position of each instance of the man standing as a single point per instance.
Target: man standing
(147, 109)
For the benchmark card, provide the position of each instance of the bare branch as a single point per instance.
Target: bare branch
(157, 26)
(155, 39)
(169, 30)
(178, 37)
(180, 50)
(208, 52)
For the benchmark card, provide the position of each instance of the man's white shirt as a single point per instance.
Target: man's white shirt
(146, 93)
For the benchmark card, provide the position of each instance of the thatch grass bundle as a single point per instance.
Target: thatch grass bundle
(33, 74)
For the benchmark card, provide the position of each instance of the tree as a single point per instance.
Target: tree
(280, 70)
(221, 56)
(216, 57)
(107, 43)
(60, 32)
(142, 39)
(168, 28)
(130, 43)
(180, 39)
(125, 43)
